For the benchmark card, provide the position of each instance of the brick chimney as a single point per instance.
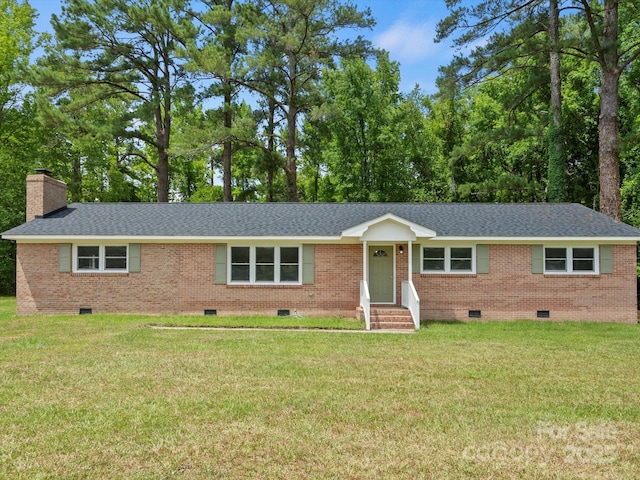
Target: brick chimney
(45, 194)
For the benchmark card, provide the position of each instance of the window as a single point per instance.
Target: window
(289, 264)
(265, 265)
(583, 260)
(555, 259)
(101, 258)
(570, 260)
(448, 259)
(461, 259)
(88, 258)
(115, 257)
(434, 259)
(240, 264)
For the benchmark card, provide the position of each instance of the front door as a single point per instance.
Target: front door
(381, 278)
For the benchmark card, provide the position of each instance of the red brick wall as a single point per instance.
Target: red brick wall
(44, 195)
(510, 291)
(179, 278)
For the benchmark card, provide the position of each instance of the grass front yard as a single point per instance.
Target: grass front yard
(104, 397)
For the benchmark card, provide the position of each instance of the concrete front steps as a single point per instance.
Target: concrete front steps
(389, 318)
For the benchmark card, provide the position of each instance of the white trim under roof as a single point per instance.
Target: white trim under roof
(361, 230)
(528, 240)
(169, 239)
(352, 238)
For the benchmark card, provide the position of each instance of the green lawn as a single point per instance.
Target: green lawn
(105, 397)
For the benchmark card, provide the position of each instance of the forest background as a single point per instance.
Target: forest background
(285, 100)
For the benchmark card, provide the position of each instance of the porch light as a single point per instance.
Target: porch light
(401, 250)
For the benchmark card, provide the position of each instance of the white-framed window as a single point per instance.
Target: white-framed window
(448, 259)
(576, 259)
(265, 264)
(100, 258)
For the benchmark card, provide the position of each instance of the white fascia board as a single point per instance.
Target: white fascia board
(164, 239)
(351, 238)
(359, 230)
(530, 240)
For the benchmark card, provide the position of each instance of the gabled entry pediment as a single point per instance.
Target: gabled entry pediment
(388, 228)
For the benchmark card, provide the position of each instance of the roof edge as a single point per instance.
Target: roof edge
(306, 239)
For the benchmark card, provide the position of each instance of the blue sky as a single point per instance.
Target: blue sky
(405, 28)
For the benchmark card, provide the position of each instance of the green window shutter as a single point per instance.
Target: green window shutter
(221, 264)
(415, 258)
(537, 259)
(308, 267)
(482, 258)
(64, 257)
(134, 257)
(606, 258)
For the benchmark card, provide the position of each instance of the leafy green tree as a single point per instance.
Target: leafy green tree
(580, 111)
(374, 142)
(502, 155)
(271, 163)
(85, 149)
(218, 53)
(556, 187)
(297, 38)
(363, 103)
(521, 34)
(16, 43)
(630, 145)
(20, 134)
(615, 50)
(22, 151)
(605, 40)
(109, 49)
(448, 117)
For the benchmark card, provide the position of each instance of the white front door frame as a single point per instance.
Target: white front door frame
(392, 247)
(389, 230)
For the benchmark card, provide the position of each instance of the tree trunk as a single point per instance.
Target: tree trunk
(556, 189)
(292, 165)
(163, 129)
(162, 169)
(608, 130)
(229, 44)
(608, 150)
(226, 145)
(271, 164)
(75, 189)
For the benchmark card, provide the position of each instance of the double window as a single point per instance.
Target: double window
(570, 260)
(265, 264)
(448, 259)
(100, 258)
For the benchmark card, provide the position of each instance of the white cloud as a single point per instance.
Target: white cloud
(408, 43)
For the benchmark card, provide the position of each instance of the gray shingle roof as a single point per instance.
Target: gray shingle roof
(322, 219)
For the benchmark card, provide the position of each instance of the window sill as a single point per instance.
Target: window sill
(571, 275)
(449, 275)
(99, 274)
(264, 285)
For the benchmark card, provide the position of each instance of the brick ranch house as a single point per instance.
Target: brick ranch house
(430, 261)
